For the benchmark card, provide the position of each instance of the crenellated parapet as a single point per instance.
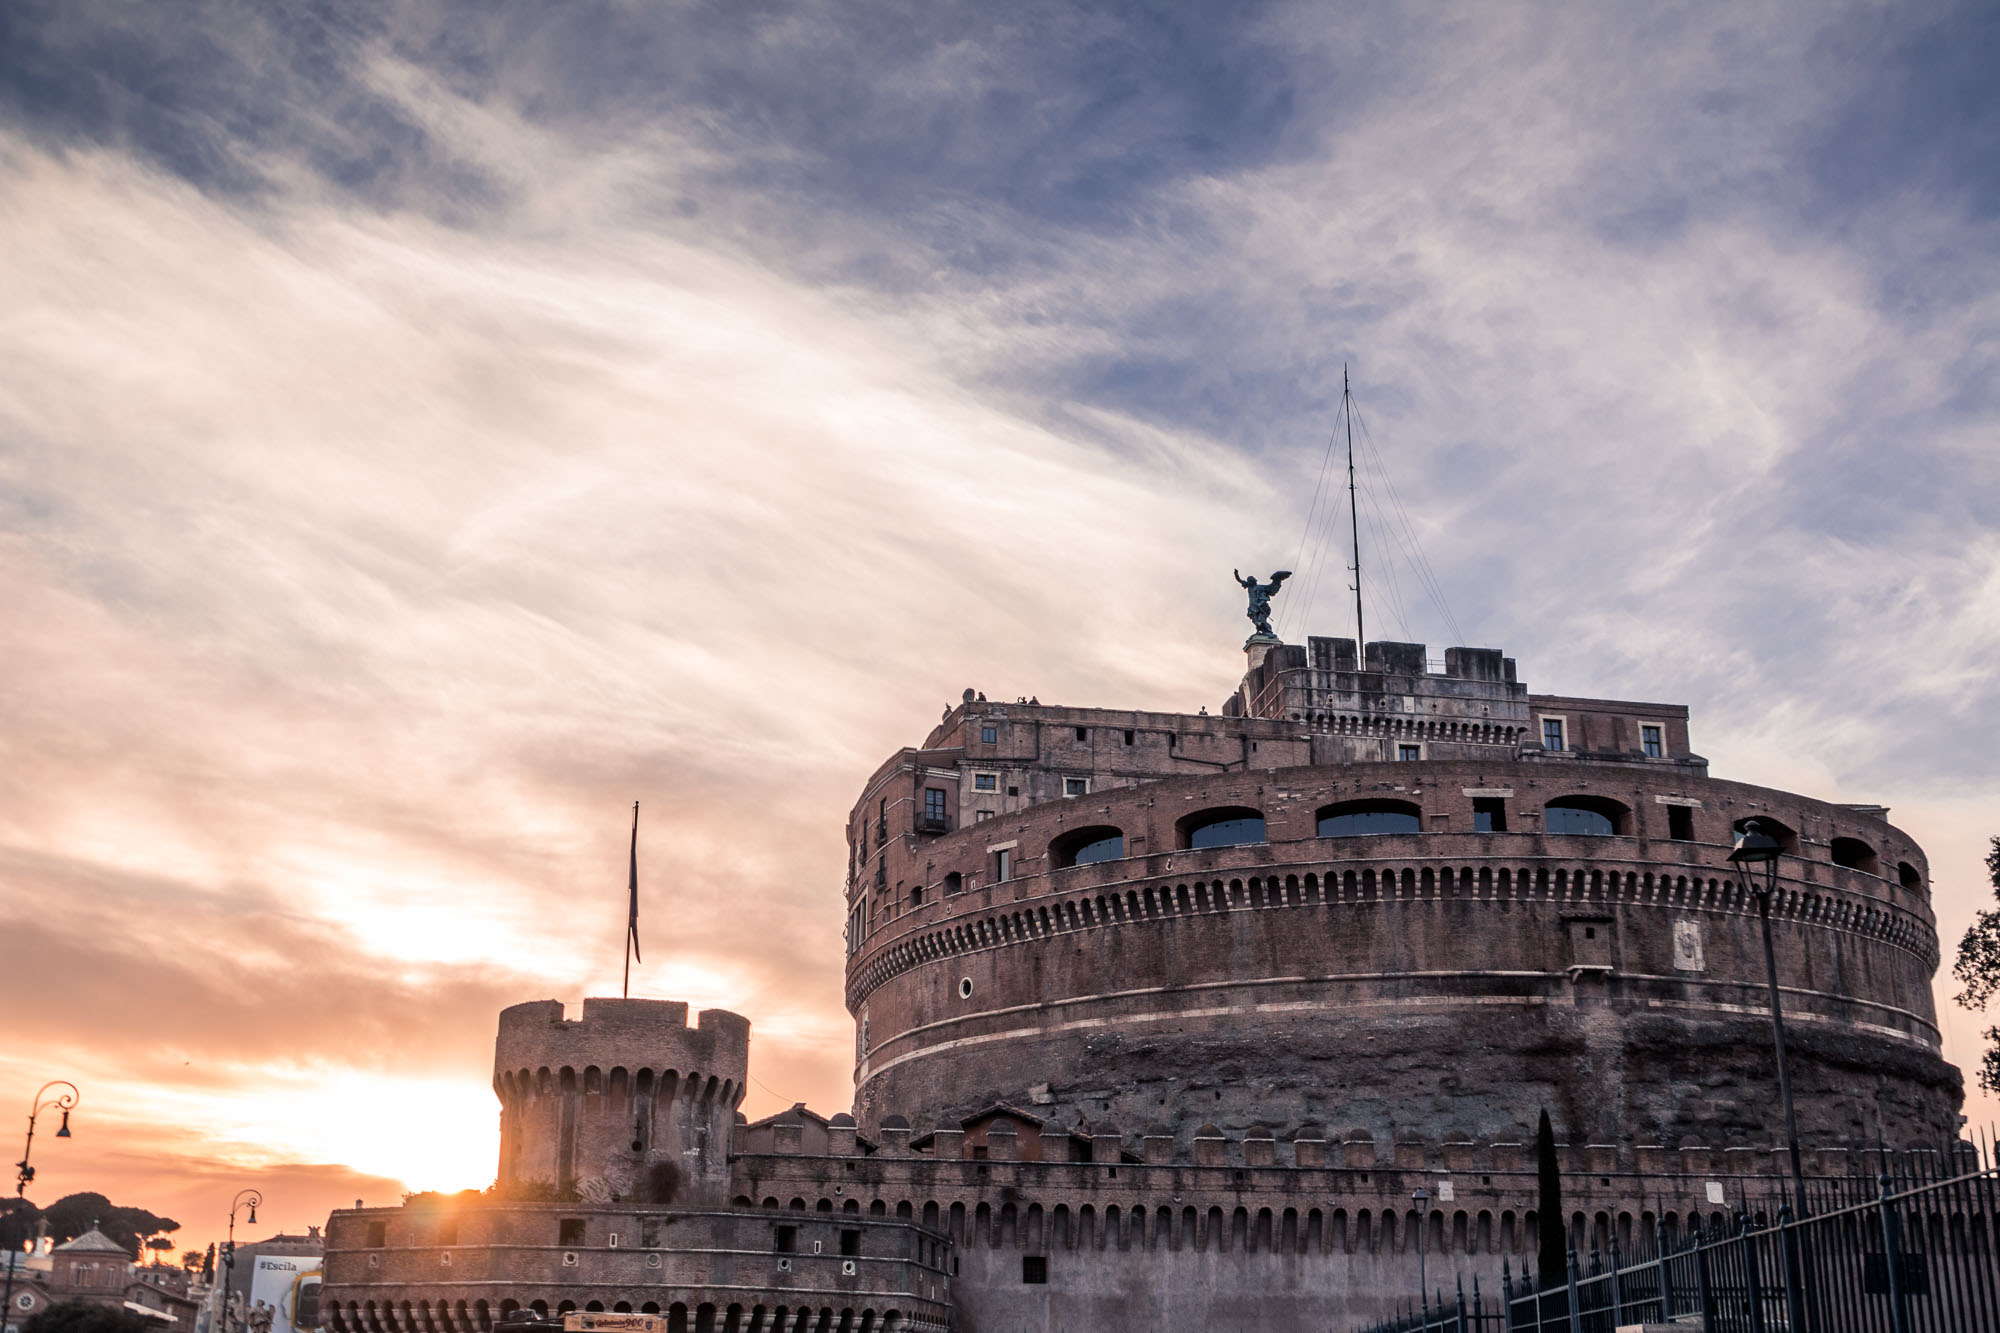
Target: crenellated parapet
(625, 1102)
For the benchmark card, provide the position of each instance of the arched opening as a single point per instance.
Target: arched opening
(1787, 837)
(1082, 847)
(1856, 855)
(1586, 816)
(1908, 876)
(1353, 819)
(1224, 826)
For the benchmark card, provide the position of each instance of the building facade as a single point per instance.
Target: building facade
(1226, 1020)
(97, 1270)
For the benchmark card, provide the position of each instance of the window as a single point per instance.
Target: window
(988, 735)
(850, 1243)
(1489, 814)
(917, 896)
(1003, 863)
(986, 782)
(378, 1235)
(980, 1152)
(1407, 753)
(1013, 791)
(1083, 733)
(1589, 816)
(981, 816)
(569, 1231)
(784, 1239)
(1230, 826)
(934, 805)
(1649, 741)
(1080, 847)
(1131, 737)
(1035, 1269)
(1855, 855)
(965, 988)
(1352, 819)
(1552, 733)
(448, 1231)
(954, 882)
(1076, 786)
(1680, 823)
(1909, 877)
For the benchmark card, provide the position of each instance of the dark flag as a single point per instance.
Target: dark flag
(632, 913)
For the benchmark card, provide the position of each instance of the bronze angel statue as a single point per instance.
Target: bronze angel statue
(1260, 598)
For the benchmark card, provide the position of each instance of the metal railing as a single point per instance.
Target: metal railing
(1899, 1257)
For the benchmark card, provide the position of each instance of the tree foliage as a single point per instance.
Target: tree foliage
(84, 1317)
(17, 1223)
(1977, 970)
(74, 1214)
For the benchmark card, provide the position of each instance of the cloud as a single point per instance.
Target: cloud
(428, 428)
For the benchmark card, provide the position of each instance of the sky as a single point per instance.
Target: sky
(427, 428)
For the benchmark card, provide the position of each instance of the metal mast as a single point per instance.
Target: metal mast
(1353, 519)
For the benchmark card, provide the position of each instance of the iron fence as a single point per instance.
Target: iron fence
(1883, 1257)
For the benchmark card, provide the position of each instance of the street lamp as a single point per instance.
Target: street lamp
(1420, 1198)
(1754, 847)
(24, 1174)
(253, 1198)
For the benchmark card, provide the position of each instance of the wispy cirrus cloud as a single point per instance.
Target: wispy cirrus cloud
(426, 428)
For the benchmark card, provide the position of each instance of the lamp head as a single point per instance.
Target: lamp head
(253, 1213)
(63, 1131)
(1754, 846)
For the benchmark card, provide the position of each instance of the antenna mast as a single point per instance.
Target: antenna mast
(1353, 518)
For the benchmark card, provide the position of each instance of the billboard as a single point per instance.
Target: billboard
(289, 1284)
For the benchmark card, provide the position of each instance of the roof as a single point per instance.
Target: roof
(92, 1241)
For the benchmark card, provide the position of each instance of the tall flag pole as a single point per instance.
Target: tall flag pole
(632, 912)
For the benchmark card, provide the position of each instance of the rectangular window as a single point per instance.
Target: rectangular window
(934, 804)
(649, 1231)
(982, 816)
(378, 1235)
(569, 1231)
(988, 735)
(1003, 863)
(1489, 814)
(1131, 737)
(1649, 741)
(986, 782)
(1035, 1269)
(1406, 753)
(1076, 786)
(448, 1231)
(1552, 733)
(1083, 733)
(784, 1240)
(850, 1243)
(1680, 823)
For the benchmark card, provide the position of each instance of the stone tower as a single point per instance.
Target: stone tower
(627, 1102)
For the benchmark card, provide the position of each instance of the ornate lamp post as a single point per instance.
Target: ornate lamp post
(64, 1101)
(1421, 1198)
(1754, 847)
(253, 1198)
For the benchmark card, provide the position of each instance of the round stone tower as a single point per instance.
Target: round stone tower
(627, 1102)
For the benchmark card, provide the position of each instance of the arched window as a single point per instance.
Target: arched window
(1226, 826)
(1788, 837)
(1352, 819)
(1855, 855)
(1908, 876)
(1080, 847)
(1590, 816)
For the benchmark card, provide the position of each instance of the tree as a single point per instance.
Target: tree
(17, 1223)
(190, 1260)
(1978, 969)
(1551, 1236)
(84, 1317)
(74, 1214)
(208, 1264)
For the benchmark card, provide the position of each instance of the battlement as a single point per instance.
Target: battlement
(615, 1033)
(1011, 1136)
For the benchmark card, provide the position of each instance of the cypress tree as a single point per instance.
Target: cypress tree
(1551, 1235)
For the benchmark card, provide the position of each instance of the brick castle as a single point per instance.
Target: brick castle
(1168, 1020)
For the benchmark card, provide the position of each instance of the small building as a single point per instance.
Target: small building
(97, 1269)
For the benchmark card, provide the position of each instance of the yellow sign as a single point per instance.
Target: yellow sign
(614, 1323)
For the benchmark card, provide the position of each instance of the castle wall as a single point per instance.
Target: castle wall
(1443, 982)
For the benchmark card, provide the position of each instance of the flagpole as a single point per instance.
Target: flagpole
(632, 905)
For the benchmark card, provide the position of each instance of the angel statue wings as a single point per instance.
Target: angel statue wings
(1260, 598)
